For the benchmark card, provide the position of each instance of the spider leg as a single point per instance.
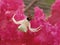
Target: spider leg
(33, 29)
(16, 22)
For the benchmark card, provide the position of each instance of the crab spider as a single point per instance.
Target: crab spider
(24, 25)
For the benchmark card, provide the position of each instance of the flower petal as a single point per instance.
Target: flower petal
(55, 13)
(39, 17)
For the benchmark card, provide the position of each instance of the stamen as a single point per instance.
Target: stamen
(7, 12)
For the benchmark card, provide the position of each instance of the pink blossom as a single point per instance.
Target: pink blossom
(55, 12)
(55, 17)
(49, 34)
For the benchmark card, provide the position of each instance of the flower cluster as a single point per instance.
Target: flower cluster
(49, 29)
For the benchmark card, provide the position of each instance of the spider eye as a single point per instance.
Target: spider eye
(28, 19)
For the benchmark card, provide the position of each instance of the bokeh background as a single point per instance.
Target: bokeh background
(43, 4)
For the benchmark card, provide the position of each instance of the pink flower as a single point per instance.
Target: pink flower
(48, 33)
(55, 12)
(55, 17)
(9, 35)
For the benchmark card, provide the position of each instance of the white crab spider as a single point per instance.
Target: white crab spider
(25, 24)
